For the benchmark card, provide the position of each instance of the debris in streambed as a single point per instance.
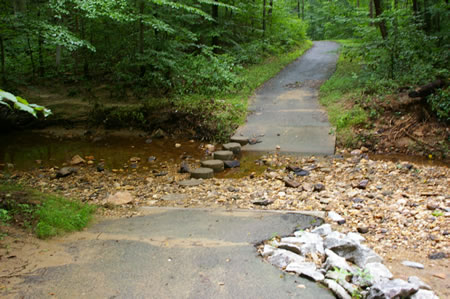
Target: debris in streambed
(400, 206)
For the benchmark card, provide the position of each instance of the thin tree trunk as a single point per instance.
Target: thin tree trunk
(141, 37)
(30, 51)
(76, 53)
(371, 9)
(2, 60)
(41, 55)
(215, 16)
(270, 12)
(381, 24)
(298, 9)
(357, 3)
(264, 18)
(84, 54)
(303, 9)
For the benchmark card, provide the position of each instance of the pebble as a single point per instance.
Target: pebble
(437, 256)
(363, 229)
(412, 264)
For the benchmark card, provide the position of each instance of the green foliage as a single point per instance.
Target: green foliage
(50, 215)
(4, 216)
(58, 215)
(11, 101)
(338, 92)
(440, 103)
(364, 275)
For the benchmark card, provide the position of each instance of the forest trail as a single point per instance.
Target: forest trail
(286, 112)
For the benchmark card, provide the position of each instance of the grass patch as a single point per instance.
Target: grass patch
(46, 215)
(339, 95)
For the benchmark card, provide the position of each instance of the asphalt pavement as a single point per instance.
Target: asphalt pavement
(285, 111)
(174, 253)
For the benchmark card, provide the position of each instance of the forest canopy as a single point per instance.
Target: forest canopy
(182, 47)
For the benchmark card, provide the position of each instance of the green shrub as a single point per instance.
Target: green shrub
(440, 103)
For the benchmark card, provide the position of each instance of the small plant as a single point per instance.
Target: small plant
(364, 274)
(356, 294)
(4, 216)
(437, 213)
(342, 274)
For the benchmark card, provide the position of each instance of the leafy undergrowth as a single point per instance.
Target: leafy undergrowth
(212, 117)
(46, 215)
(385, 120)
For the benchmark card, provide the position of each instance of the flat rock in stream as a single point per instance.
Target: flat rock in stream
(216, 165)
(242, 140)
(232, 146)
(223, 155)
(202, 173)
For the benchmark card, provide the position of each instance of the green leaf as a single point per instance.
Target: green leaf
(8, 96)
(25, 108)
(4, 103)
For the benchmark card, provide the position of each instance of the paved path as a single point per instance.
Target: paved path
(286, 109)
(174, 253)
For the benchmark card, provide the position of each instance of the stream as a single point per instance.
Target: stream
(28, 151)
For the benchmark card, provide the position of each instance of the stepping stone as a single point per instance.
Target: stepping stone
(242, 140)
(223, 155)
(232, 146)
(202, 173)
(216, 165)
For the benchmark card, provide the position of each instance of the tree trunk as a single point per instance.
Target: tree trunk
(30, 51)
(303, 9)
(415, 7)
(84, 54)
(270, 12)
(141, 37)
(41, 55)
(2, 60)
(264, 18)
(381, 24)
(371, 9)
(298, 9)
(215, 16)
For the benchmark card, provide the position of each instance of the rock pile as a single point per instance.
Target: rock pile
(342, 262)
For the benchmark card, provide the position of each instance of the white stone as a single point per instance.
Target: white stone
(416, 281)
(281, 258)
(378, 272)
(120, 198)
(322, 230)
(413, 264)
(424, 294)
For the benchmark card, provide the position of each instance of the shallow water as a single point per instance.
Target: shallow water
(24, 149)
